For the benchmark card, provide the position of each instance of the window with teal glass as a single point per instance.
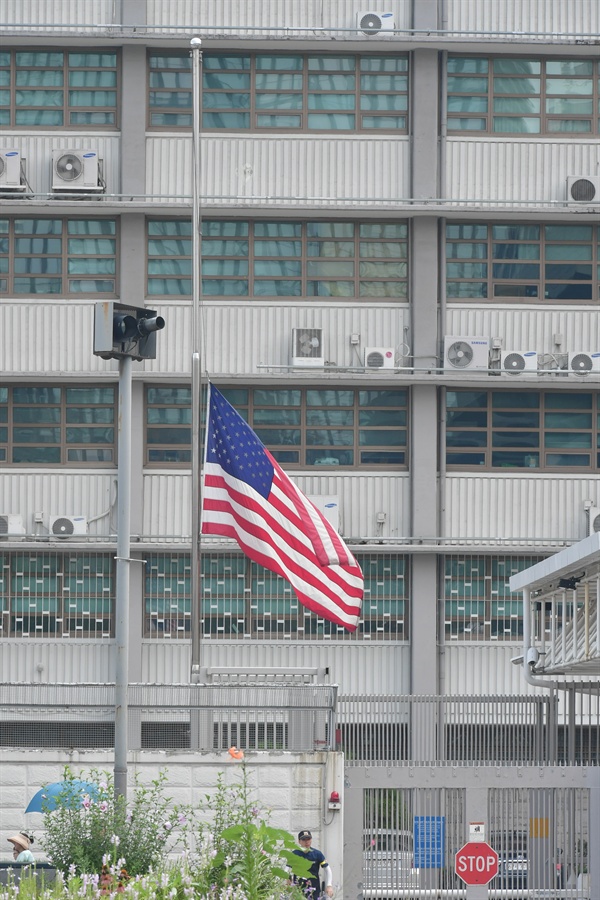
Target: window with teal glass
(281, 259)
(527, 430)
(65, 257)
(53, 425)
(56, 595)
(477, 604)
(280, 91)
(242, 600)
(516, 95)
(59, 89)
(527, 263)
(300, 426)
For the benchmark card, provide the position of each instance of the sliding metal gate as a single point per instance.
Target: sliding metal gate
(404, 825)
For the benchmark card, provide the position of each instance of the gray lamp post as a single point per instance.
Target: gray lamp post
(124, 333)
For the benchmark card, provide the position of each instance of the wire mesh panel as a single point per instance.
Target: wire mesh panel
(241, 599)
(477, 603)
(57, 594)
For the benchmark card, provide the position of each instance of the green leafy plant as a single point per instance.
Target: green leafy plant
(84, 832)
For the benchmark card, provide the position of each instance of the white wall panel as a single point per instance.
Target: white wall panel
(65, 661)
(167, 502)
(556, 17)
(296, 171)
(244, 337)
(357, 668)
(523, 327)
(476, 168)
(478, 669)
(524, 507)
(52, 337)
(60, 493)
(37, 151)
(72, 13)
(247, 16)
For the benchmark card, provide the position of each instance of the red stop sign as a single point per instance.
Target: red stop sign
(476, 863)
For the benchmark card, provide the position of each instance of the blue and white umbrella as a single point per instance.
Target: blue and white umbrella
(61, 793)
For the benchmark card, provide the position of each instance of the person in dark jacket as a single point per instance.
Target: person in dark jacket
(312, 885)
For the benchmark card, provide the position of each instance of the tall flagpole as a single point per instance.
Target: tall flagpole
(196, 605)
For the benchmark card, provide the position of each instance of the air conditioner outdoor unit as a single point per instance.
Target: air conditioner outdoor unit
(307, 347)
(583, 189)
(11, 527)
(328, 506)
(10, 171)
(380, 358)
(372, 22)
(583, 362)
(593, 520)
(466, 352)
(67, 526)
(76, 170)
(517, 362)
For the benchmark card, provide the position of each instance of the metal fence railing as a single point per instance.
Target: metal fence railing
(558, 727)
(257, 713)
(252, 716)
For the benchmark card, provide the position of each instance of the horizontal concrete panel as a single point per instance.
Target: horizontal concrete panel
(60, 493)
(71, 13)
(247, 337)
(37, 149)
(50, 337)
(54, 662)
(522, 508)
(167, 502)
(476, 168)
(271, 18)
(356, 667)
(522, 327)
(303, 172)
(520, 17)
(478, 669)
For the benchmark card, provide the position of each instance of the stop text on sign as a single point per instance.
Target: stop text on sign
(476, 863)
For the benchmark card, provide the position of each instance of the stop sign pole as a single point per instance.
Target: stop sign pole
(476, 863)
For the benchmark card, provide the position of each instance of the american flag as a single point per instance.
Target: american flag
(247, 496)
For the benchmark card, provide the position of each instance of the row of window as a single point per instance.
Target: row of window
(62, 594)
(53, 425)
(300, 92)
(531, 262)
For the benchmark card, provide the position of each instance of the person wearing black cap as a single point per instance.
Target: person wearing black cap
(312, 885)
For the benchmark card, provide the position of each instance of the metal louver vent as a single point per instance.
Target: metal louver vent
(3, 524)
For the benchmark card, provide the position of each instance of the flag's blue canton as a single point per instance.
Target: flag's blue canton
(234, 446)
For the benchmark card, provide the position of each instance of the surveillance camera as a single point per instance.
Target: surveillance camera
(532, 657)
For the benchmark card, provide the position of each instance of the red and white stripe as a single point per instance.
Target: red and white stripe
(287, 535)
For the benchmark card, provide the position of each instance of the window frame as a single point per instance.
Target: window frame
(250, 407)
(524, 289)
(254, 91)
(64, 258)
(534, 456)
(68, 109)
(360, 284)
(10, 405)
(543, 116)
